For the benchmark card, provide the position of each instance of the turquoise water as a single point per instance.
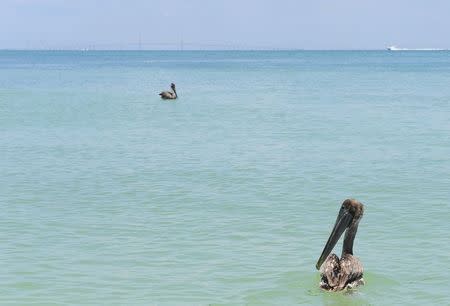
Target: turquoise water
(110, 195)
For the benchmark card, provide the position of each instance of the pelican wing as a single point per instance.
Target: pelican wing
(351, 270)
(329, 272)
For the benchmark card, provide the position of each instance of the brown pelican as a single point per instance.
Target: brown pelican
(168, 95)
(345, 273)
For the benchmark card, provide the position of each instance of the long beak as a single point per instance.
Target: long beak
(342, 222)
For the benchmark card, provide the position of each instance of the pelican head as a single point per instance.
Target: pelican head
(348, 218)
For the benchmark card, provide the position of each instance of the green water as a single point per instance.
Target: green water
(110, 195)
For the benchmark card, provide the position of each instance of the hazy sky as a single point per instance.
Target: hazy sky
(224, 24)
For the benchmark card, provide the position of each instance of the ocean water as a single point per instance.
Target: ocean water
(111, 196)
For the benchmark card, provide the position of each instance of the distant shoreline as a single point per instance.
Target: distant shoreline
(224, 50)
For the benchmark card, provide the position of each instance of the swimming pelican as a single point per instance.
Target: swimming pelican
(168, 95)
(345, 273)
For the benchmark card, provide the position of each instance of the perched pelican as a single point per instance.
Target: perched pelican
(345, 273)
(168, 95)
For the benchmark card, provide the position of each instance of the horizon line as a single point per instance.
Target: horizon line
(183, 50)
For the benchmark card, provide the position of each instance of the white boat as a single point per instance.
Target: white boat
(394, 48)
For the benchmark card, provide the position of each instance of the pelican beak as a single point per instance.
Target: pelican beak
(342, 222)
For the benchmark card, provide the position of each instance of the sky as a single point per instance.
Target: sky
(224, 24)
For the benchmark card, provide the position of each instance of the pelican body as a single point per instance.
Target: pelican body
(169, 95)
(347, 272)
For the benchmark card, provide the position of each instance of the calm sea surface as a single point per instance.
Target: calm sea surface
(109, 195)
